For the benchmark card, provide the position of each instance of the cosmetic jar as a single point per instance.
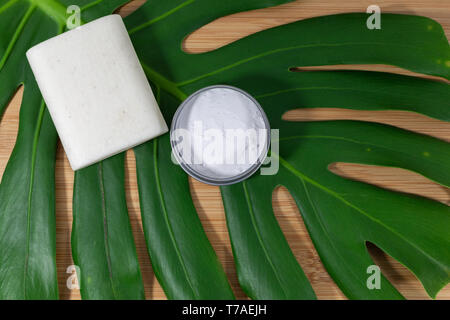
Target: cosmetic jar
(220, 135)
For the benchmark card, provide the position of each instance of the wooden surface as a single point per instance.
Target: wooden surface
(207, 198)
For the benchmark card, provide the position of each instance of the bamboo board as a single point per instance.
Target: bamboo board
(207, 198)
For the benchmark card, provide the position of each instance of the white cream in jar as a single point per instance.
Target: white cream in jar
(220, 135)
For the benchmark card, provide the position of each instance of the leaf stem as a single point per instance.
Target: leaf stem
(163, 82)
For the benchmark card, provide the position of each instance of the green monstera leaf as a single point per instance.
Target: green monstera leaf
(340, 214)
(27, 198)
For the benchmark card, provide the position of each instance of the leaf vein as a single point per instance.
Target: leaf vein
(336, 195)
(16, 35)
(270, 52)
(105, 227)
(166, 218)
(30, 191)
(362, 143)
(89, 5)
(164, 15)
(7, 5)
(324, 228)
(258, 235)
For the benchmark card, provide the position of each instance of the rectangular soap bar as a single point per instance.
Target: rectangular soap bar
(96, 91)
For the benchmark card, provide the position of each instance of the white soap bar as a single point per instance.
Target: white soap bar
(96, 91)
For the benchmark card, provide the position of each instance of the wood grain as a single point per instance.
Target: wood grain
(207, 198)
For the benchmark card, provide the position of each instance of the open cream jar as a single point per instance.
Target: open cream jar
(220, 135)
